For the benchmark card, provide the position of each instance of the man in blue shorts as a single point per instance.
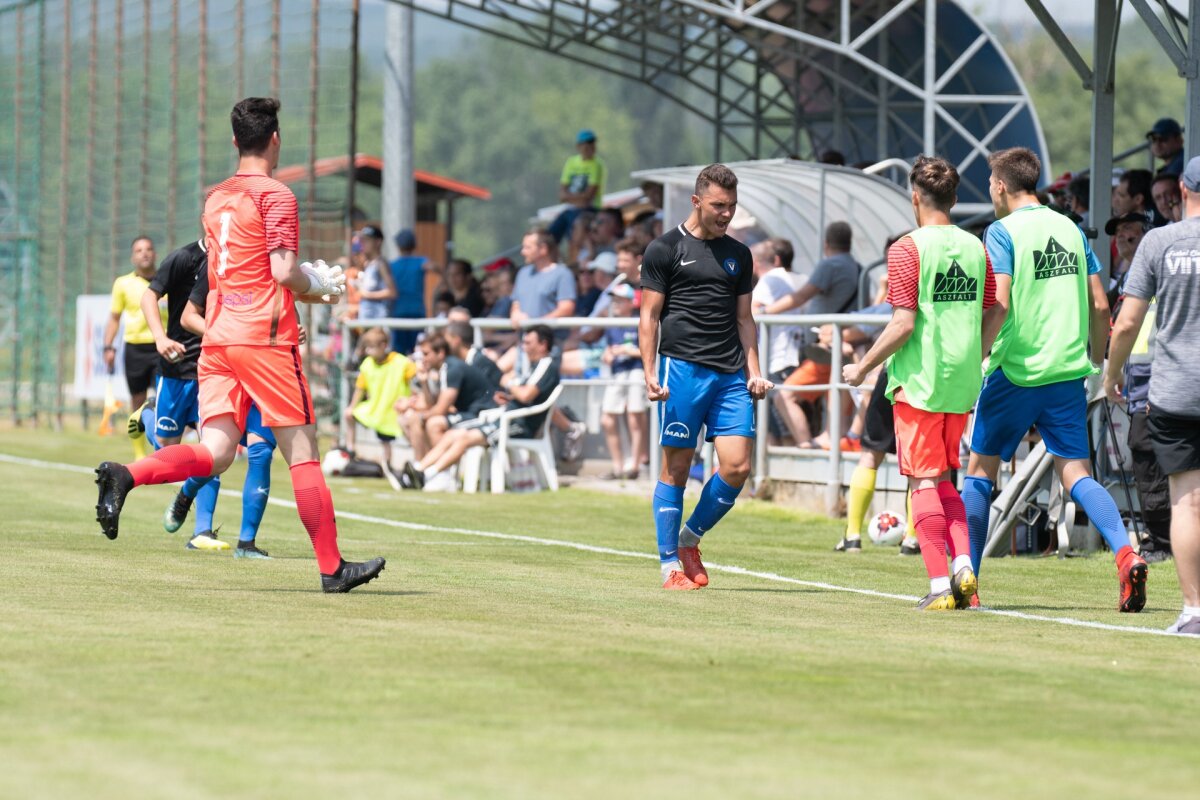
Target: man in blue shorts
(1047, 278)
(696, 283)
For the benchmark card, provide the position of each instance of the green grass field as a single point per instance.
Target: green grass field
(485, 666)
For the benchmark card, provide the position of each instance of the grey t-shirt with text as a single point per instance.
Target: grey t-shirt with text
(1167, 267)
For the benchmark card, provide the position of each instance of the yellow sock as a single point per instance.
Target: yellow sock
(910, 530)
(862, 489)
(139, 447)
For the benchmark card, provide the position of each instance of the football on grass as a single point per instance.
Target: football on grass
(886, 528)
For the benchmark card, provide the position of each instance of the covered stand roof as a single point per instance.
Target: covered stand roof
(369, 170)
(797, 199)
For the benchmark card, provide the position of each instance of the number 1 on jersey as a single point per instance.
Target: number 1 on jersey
(223, 261)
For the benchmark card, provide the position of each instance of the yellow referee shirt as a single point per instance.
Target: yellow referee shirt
(127, 294)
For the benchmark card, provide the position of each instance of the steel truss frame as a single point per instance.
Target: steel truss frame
(779, 77)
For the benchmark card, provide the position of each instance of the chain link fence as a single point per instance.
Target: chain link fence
(117, 119)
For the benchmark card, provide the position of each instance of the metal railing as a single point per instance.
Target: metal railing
(762, 412)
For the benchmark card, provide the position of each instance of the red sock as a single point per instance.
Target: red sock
(931, 531)
(315, 504)
(956, 519)
(176, 462)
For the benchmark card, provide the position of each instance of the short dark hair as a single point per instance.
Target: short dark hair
(546, 239)
(1169, 177)
(631, 245)
(444, 297)
(616, 216)
(254, 120)
(936, 180)
(139, 238)
(437, 343)
(1081, 189)
(1018, 167)
(1139, 181)
(715, 175)
(543, 333)
(460, 329)
(833, 157)
(838, 236)
(462, 262)
(783, 250)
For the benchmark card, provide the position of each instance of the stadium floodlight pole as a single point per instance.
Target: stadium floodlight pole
(763, 409)
(1192, 122)
(399, 192)
(352, 137)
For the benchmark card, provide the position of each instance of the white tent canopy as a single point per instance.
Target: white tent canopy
(797, 199)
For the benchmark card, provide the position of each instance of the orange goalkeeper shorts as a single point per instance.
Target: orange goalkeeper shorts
(272, 377)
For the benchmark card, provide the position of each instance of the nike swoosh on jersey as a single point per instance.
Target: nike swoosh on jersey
(685, 263)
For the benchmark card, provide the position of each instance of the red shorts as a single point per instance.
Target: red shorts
(927, 442)
(272, 377)
(808, 374)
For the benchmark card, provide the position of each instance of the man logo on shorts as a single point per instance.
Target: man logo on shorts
(168, 425)
(1055, 260)
(731, 266)
(955, 286)
(677, 430)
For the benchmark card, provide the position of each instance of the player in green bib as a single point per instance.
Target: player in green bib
(940, 286)
(1052, 340)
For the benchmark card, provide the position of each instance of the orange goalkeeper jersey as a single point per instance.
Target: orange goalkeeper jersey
(245, 218)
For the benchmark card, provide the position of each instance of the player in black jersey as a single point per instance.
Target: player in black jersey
(696, 283)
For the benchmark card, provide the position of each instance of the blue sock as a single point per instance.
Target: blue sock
(977, 498)
(668, 510)
(192, 486)
(716, 499)
(206, 503)
(257, 489)
(1102, 511)
(149, 420)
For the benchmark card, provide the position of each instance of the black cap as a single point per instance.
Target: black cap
(1111, 226)
(1165, 127)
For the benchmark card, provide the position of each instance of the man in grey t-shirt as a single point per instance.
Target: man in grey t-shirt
(1166, 271)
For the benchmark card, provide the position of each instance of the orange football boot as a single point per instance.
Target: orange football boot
(678, 582)
(689, 557)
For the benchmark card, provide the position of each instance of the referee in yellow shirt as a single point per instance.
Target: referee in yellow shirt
(141, 356)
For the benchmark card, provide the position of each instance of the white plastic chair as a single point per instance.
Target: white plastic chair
(541, 447)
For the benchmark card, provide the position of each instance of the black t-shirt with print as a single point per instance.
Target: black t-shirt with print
(702, 280)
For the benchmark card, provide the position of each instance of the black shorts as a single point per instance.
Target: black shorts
(141, 366)
(1176, 441)
(879, 427)
(385, 438)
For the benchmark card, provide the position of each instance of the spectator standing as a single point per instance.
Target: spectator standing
(377, 290)
(1163, 272)
(544, 288)
(141, 354)
(1166, 142)
(627, 398)
(1167, 199)
(408, 275)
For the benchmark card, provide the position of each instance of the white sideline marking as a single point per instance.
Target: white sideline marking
(588, 548)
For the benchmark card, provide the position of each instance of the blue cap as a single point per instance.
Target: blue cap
(585, 136)
(1165, 127)
(406, 239)
(1191, 175)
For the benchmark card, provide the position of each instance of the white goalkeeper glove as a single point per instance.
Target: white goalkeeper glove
(323, 279)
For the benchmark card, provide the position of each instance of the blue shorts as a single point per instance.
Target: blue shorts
(254, 424)
(176, 406)
(702, 396)
(1006, 411)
